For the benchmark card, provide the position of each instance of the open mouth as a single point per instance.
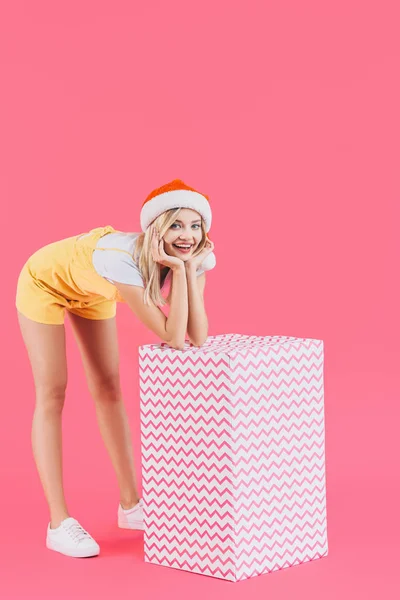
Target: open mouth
(183, 249)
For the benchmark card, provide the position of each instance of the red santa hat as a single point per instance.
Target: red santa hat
(175, 194)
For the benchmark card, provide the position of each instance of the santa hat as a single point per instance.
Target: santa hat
(175, 194)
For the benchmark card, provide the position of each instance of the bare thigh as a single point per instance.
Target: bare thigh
(45, 345)
(98, 345)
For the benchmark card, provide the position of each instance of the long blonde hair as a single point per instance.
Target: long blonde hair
(150, 269)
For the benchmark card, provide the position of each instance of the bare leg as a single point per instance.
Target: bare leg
(46, 350)
(98, 343)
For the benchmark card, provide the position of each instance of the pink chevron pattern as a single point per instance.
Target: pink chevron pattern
(233, 454)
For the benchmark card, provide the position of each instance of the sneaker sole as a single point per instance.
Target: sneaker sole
(82, 553)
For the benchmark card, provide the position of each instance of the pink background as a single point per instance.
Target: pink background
(287, 115)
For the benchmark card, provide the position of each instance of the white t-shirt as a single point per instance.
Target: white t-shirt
(119, 266)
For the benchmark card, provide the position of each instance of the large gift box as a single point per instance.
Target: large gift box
(233, 454)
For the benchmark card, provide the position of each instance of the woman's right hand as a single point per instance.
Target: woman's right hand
(159, 254)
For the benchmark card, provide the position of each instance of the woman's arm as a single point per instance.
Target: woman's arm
(201, 282)
(176, 323)
(197, 325)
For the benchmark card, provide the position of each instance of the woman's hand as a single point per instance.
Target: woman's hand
(196, 261)
(159, 254)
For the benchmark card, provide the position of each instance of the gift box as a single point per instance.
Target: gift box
(233, 454)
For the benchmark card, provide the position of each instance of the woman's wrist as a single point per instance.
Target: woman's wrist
(190, 266)
(178, 268)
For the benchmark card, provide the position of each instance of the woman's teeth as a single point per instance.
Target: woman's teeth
(183, 249)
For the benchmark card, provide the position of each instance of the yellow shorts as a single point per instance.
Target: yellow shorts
(50, 282)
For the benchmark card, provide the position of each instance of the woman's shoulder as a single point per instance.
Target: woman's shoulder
(122, 240)
(113, 258)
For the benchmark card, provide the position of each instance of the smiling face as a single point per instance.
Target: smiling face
(184, 231)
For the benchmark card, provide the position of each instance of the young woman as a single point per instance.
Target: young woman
(85, 276)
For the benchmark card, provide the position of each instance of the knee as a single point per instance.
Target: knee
(105, 388)
(51, 397)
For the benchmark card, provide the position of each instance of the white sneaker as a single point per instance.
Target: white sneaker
(71, 539)
(132, 518)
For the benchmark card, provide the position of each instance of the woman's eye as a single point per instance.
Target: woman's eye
(195, 225)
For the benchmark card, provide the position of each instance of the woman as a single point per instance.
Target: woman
(85, 276)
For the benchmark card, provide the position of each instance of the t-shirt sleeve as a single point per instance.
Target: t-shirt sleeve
(208, 264)
(121, 268)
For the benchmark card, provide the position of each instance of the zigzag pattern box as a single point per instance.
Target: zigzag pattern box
(233, 454)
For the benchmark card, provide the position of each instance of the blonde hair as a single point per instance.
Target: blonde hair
(150, 269)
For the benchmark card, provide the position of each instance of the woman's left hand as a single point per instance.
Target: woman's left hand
(196, 261)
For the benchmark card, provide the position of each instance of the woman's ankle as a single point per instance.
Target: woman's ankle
(126, 505)
(56, 520)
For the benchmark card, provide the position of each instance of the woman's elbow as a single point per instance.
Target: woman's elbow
(180, 345)
(198, 343)
(176, 345)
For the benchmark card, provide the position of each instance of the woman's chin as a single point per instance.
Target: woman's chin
(182, 255)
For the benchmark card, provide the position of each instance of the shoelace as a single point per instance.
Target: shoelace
(76, 532)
